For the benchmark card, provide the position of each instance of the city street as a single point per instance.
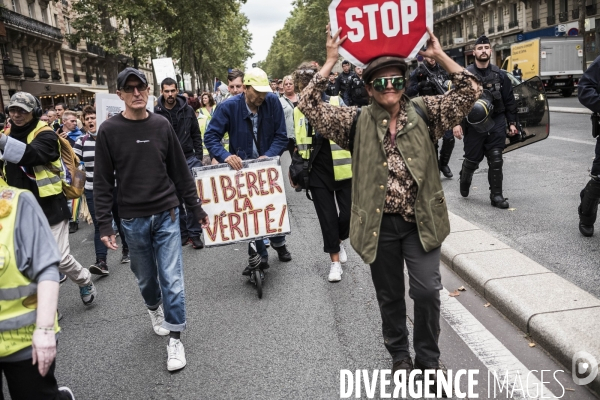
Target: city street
(293, 343)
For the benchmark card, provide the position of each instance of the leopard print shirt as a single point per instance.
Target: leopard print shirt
(444, 112)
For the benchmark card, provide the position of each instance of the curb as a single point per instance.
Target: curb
(558, 315)
(570, 110)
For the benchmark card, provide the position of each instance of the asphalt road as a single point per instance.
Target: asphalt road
(292, 344)
(542, 182)
(556, 100)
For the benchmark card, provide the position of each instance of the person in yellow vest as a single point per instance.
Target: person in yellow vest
(29, 260)
(204, 117)
(208, 105)
(330, 178)
(31, 153)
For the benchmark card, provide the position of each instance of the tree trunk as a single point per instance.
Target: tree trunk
(110, 59)
(581, 4)
(192, 67)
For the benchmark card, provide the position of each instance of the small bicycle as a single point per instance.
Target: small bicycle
(257, 275)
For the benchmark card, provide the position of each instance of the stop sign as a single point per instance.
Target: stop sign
(378, 28)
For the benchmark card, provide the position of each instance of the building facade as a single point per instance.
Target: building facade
(507, 21)
(37, 57)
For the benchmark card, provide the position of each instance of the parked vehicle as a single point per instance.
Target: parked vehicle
(558, 61)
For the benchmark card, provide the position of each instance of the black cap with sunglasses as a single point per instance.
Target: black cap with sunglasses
(126, 73)
(383, 62)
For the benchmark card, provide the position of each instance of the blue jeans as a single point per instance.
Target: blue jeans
(188, 225)
(155, 253)
(276, 241)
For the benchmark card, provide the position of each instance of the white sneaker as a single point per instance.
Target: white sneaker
(157, 318)
(342, 254)
(176, 353)
(335, 273)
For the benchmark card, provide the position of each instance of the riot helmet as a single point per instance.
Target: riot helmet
(480, 116)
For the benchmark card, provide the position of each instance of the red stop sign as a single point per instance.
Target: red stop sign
(378, 28)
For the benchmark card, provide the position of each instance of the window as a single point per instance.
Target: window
(535, 10)
(45, 15)
(500, 16)
(551, 8)
(56, 20)
(25, 56)
(459, 29)
(31, 10)
(15, 6)
(564, 6)
(491, 19)
(74, 64)
(68, 24)
(52, 59)
(513, 13)
(471, 25)
(40, 59)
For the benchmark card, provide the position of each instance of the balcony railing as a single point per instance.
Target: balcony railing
(513, 24)
(575, 13)
(29, 72)
(535, 23)
(76, 78)
(591, 10)
(43, 74)
(551, 20)
(55, 75)
(472, 36)
(563, 17)
(99, 80)
(500, 28)
(16, 20)
(89, 79)
(11, 69)
(491, 30)
(92, 48)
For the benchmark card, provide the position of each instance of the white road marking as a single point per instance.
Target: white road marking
(572, 140)
(492, 353)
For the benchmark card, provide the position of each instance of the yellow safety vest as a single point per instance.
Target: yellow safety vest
(18, 295)
(206, 113)
(48, 177)
(342, 160)
(203, 123)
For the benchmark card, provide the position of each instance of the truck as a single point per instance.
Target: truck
(558, 61)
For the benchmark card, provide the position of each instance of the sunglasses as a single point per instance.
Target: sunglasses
(130, 89)
(380, 84)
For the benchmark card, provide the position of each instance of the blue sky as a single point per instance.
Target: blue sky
(266, 18)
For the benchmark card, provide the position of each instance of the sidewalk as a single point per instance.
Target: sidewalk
(571, 110)
(558, 315)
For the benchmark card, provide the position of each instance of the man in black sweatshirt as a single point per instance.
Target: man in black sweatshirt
(183, 120)
(141, 151)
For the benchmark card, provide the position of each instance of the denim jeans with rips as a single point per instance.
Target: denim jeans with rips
(155, 253)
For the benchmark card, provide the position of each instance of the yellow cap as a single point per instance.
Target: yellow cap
(258, 79)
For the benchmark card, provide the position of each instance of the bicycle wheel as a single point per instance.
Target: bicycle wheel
(258, 282)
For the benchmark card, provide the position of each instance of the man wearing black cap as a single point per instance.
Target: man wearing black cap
(140, 150)
(343, 81)
(330, 91)
(484, 141)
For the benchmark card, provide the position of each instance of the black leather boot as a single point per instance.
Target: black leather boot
(494, 158)
(466, 176)
(445, 153)
(588, 209)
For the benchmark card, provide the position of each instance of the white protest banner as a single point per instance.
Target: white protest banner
(243, 205)
(109, 105)
(164, 68)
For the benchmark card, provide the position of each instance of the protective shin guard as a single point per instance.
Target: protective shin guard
(494, 157)
(445, 153)
(466, 176)
(588, 209)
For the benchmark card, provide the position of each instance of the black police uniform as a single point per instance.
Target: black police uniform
(489, 144)
(420, 84)
(330, 90)
(589, 96)
(341, 84)
(356, 93)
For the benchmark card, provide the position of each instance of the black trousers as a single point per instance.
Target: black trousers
(477, 144)
(398, 243)
(26, 383)
(334, 226)
(596, 163)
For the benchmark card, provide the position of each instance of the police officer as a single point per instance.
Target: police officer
(589, 96)
(343, 80)
(428, 80)
(517, 73)
(356, 93)
(487, 136)
(330, 91)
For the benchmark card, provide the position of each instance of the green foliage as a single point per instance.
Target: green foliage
(302, 38)
(204, 37)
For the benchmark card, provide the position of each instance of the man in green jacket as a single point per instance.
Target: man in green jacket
(398, 206)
